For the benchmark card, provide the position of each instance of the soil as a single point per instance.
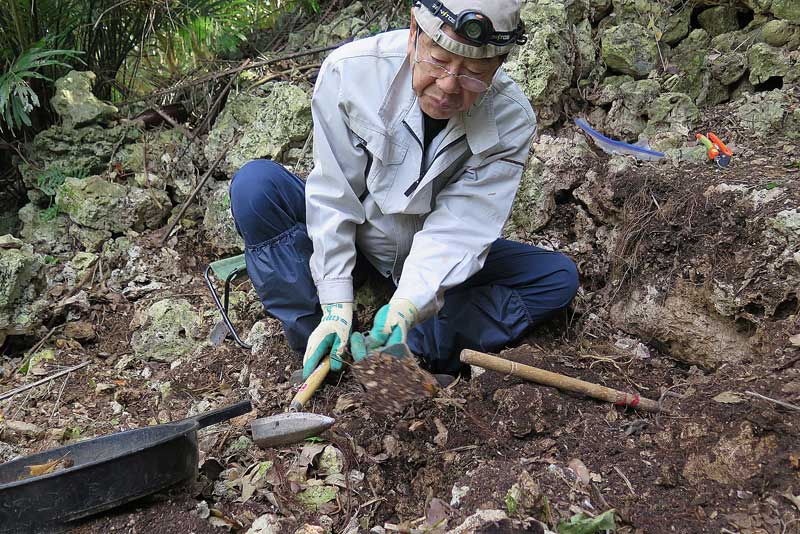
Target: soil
(708, 463)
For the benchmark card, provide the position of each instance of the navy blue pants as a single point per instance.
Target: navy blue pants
(518, 287)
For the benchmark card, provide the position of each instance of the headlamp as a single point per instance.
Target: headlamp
(474, 26)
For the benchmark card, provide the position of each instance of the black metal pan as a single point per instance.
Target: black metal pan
(105, 472)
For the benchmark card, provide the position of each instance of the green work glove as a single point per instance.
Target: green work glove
(358, 346)
(393, 321)
(329, 337)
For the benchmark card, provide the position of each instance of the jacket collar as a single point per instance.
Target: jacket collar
(400, 105)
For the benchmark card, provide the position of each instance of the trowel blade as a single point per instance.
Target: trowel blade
(288, 428)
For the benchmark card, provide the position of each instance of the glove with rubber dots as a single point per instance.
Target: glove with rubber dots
(330, 337)
(393, 322)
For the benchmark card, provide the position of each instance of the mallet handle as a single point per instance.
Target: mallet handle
(310, 385)
(556, 380)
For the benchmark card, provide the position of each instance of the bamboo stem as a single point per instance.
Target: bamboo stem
(559, 381)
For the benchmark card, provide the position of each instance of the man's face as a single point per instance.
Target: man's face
(445, 97)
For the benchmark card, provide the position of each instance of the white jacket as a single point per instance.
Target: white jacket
(426, 220)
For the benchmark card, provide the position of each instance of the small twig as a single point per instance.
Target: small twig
(788, 364)
(58, 400)
(627, 482)
(778, 402)
(277, 75)
(194, 193)
(9, 394)
(175, 124)
(235, 70)
(305, 147)
(206, 123)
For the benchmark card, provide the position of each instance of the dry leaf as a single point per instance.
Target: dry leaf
(441, 433)
(343, 403)
(51, 466)
(795, 340)
(581, 471)
(729, 397)
(794, 499)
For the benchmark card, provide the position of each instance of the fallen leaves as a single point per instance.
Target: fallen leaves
(442, 434)
(583, 524)
(57, 464)
(729, 397)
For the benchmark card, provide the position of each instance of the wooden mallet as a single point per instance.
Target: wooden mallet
(559, 381)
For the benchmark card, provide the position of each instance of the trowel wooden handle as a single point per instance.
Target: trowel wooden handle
(556, 380)
(311, 385)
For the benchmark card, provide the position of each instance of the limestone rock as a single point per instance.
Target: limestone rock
(104, 205)
(691, 57)
(787, 222)
(766, 62)
(787, 9)
(731, 41)
(598, 196)
(165, 170)
(550, 170)
(218, 223)
(609, 90)
(732, 460)
(671, 114)
(21, 285)
(267, 524)
(48, 234)
(630, 49)
(75, 103)
(718, 19)
(729, 67)
(543, 66)
(626, 120)
(777, 32)
(167, 330)
(681, 323)
(74, 151)
(481, 521)
(758, 6)
(763, 113)
(638, 11)
(347, 23)
(267, 125)
(677, 26)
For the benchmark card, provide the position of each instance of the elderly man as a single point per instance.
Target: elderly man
(420, 140)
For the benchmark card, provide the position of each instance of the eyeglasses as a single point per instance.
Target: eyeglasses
(434, 70)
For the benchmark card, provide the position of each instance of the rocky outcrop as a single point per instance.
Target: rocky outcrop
(253, 127)
(97, 203)
(166, 330)
(21, 287)
(75, 103)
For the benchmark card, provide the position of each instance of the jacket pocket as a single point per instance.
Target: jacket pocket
(386, 157)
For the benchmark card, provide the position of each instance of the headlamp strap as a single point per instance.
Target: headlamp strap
(497, 38)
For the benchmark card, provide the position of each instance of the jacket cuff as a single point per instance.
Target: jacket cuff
(426, 306)
(338, 290)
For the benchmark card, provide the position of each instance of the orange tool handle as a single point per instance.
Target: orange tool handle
(714, 139)
(713, 150)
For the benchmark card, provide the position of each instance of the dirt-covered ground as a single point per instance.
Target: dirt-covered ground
(718, 459)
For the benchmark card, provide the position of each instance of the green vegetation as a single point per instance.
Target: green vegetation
(49, 182)
(130, 46)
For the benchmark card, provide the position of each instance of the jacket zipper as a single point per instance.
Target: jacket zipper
(413, 187)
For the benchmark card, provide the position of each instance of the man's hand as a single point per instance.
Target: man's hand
(330, 337)
(393, 321)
